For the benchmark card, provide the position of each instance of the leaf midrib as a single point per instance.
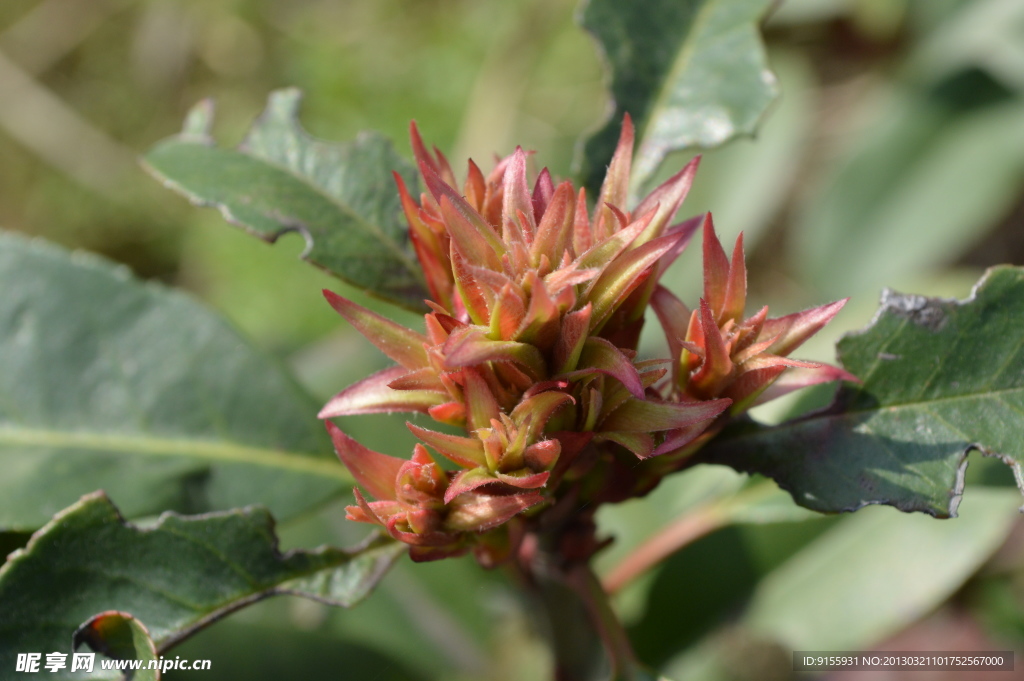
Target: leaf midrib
(923, 405)
(680, 64)
(205, 450)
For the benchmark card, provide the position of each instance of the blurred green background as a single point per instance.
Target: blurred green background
(895, 157)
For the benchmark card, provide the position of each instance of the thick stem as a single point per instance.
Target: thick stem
(588, 640)
(580, 654)
(588, 588)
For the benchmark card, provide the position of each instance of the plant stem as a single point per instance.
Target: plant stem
(616, 642)
(588, 640)
(574, 639)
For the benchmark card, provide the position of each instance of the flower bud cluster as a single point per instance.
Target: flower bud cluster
(529, 347)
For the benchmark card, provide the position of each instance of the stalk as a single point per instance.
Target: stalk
(573, 611)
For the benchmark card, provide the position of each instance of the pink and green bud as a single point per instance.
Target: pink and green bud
(529, 347)
(718, 353)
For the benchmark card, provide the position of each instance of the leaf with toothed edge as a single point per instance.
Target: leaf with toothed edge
(175, 577)
(940, 378)
(691, 74)
(340, 197)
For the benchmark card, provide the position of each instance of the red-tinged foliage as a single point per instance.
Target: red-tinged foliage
(721, 354)
(530, 347)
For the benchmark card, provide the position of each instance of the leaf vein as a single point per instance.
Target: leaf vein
(156, 446)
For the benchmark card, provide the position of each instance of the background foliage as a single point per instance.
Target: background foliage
(894, 157)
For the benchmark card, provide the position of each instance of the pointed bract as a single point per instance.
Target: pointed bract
(674, 317)
(615, 189)
(736, 287)
(473, 347)
(638, 416)
(640, 444)
(517, 202)
(479, 512)
(481, 407)
(531, 349)
(397, 342)
(570, 342)
(468, 480)
(374, 395)
(468, 238)
(554, 231)
(464, 451)
(667, 199)
(799, 378)
(716, 270)
(717, 367)
(623, 276)
(524, 478)
(376, 472)
(543, 191)
(600, 356)
(792, 330)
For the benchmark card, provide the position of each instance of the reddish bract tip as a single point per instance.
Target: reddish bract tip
(376, 472)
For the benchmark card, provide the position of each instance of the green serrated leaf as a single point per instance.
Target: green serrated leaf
(691, 74)
(107, 382)
(940, 378)
(340, 197)
(175, 577)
